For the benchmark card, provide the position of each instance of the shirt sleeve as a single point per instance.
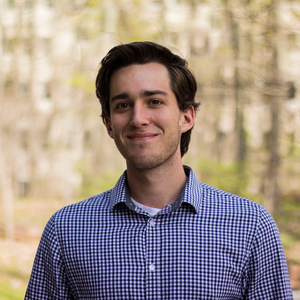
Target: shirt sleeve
(267, 273)
(48, 279)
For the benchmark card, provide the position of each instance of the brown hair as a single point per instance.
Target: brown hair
(183, 82)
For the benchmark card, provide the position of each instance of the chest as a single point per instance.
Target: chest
(165, 257)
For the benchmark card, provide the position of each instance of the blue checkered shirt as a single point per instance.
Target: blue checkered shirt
(208, 244)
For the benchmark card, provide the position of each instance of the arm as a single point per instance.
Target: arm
(267, 273)
(48, 279)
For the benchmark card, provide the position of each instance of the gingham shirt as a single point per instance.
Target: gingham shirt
(208, 244)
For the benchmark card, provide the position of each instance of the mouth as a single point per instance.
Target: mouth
(141, 136)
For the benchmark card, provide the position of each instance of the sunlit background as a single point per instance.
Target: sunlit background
(54, 149)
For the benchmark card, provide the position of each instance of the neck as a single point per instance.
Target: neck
(156, 187)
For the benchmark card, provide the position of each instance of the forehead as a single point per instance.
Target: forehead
(147, 74)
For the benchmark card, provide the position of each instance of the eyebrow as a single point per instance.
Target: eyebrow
(155, 92)
(120, 96)
(145, 93)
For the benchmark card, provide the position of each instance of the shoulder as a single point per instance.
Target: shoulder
(92, 207)
(249, 217)
(215, 204)
(211, 201)
(216, 199)
(246, 214)
(100, 201)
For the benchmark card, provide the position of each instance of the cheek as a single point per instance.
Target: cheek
(171, 118)
(117, 125)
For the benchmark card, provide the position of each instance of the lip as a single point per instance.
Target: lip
(141, 136)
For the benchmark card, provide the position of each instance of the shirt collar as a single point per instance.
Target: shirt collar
(191, 194)
(193, 190)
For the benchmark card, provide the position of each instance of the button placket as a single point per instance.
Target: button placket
(152, 222)
(153, 252)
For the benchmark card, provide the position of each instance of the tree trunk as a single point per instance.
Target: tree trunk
(272, 188)
(7, 194)
(233, 29)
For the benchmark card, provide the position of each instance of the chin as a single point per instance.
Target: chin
(152, 162)
(144, 163)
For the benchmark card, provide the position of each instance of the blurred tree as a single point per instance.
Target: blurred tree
(8, 108)
(6, 192)
(273, 87)
(233, 29)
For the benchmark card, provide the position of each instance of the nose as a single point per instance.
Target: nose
(140, 116)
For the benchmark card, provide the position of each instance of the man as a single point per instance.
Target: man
(159, 233)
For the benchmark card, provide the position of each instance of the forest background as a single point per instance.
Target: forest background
(54, 149)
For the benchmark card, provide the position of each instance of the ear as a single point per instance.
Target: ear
(108, 127)
(187, 119)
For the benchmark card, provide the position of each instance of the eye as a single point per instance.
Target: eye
(155, 102)
(122, 105)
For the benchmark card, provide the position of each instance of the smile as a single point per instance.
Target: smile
(142, 137)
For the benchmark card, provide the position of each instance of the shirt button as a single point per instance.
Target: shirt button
(152, 223)
(152, 267)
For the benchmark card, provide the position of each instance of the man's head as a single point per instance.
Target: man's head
(182, 81)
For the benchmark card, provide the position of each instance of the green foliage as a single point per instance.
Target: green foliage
(36, 215)
(294, 151)
(132, 26)
(287, 240)
(9, 292)
(291, 201)
(93, 185)
(233, 178)
(289, 227)
(290, 204)
(93, 4)
(82, 81)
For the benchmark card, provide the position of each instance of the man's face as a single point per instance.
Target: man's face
(145, 121)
